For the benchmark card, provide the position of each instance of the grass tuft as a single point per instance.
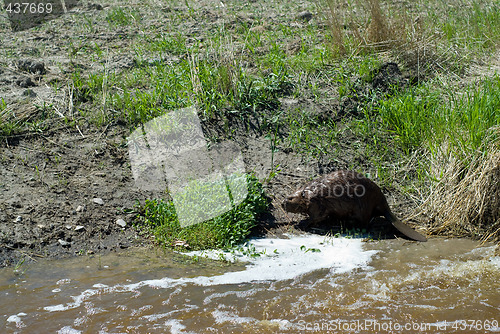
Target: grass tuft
(466, 200)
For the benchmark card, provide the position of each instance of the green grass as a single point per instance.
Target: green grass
(420, 117)
(153, 88)
(474, 26)
(123, 17)
(224, 231)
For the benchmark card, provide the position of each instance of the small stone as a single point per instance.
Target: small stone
(69, 227)
(25, 82)
(98, 201)
(121, 223)
(79, 228)
(18, 219)
(180, 243)
(94, 6)
(64, 243)
(305, 15)
(31, 66)
(80, 208)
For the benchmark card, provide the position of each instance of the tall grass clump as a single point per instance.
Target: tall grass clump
(411, 117)
(462, 160)
(421, 117)
(476, 113)
(465, 199)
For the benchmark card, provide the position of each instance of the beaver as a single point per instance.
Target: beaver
(346, 195)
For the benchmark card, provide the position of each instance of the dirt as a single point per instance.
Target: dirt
(66, 188)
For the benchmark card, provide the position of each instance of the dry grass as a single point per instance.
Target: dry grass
(366, 26)
(337, 46)
(466, 201)
(378, 33)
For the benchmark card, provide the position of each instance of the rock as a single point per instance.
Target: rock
(18, 219)
(305, 15)
(31, 66)
(121, 223)
(64, 243)
(25, 82)
(180, 243)
(80, 208)
(94, 6)
(98, 201)
(69, 227)
(79, 228)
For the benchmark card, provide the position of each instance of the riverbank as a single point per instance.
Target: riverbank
(263, 75)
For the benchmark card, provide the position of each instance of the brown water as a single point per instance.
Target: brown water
(391, 286)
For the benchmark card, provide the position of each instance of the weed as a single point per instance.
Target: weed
(123, 17)
(18, 266)
(224, 231)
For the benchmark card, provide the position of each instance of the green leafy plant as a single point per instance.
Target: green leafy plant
(225, 231)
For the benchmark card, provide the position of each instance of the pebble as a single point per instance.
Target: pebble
(79, 227)
(31, 66)
(98, 201)
(95, 6)
(121, 223)
(80, 208)
(25, 82)
(305, 15)
(64, 243)
(18, 219)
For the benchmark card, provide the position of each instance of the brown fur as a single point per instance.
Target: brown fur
(345, 195)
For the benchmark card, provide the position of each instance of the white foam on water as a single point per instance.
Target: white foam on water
(280, 259)
(16, 318)
(176, 326)
(283, 259)
(68, 330)
(224, 316)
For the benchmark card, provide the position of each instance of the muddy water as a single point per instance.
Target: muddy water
(301, 284)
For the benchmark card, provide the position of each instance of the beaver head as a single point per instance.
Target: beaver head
(298, 202)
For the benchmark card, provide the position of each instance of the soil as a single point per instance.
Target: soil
(66, 188)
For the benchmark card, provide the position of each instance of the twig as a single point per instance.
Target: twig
(78, 128)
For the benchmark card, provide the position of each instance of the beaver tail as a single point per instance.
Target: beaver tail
(403, 228)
